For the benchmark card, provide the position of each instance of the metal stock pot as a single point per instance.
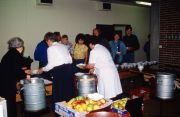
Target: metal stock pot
(34, 94)
(86, 84)
(165, 85)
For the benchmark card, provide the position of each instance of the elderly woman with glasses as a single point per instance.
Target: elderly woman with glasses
(13, 70)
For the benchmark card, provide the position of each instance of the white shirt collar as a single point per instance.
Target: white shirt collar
(54, 43)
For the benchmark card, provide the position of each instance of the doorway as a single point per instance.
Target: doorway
(108, 30)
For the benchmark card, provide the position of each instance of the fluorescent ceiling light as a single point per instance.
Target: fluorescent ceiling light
(143, 3)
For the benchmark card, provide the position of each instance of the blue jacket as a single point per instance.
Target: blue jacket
(115, 47)
(40, 53)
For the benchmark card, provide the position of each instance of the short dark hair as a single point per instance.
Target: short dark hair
(117, 33)
(128, 27)
(80, 36)
(93, 40)
(64, 36)
(98, 30)
(50, 36)
(57, 34)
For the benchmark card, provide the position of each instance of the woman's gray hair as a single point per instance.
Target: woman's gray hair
(15, 42)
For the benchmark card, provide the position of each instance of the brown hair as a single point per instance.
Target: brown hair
(64, 36)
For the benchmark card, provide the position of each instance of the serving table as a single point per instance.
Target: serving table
(130, 80)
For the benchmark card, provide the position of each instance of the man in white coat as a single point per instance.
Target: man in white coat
(100, 62)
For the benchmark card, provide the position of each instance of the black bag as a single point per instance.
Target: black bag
(134, 107)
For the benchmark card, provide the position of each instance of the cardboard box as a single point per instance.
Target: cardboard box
(121, 112)
(62, 109)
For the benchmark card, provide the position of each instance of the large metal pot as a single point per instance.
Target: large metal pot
(86, 84)
(34, 94)
(165, 85)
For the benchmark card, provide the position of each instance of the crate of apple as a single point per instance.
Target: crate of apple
(120, 104)
(85, 104)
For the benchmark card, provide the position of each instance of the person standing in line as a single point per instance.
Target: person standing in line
(60, 63)
(13, 70)
(65, 41)
(118, 48)
(40, 53)
(146, 48)
(57, 36)
(100, 62)
(86, 42)
(101, 40)
(132, 44)
(80, 52)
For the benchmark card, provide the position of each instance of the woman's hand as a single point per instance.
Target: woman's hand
(28, 77)
(91, 71)
(24, 68)
(90, 66)
(118, 53)
(130, 48)
(40, 71)
(28, 71)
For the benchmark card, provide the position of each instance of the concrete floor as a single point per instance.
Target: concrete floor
(167, 108)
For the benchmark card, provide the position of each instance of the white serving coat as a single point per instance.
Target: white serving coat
(108, 77)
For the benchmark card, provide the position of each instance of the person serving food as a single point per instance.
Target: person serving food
(59, 63)
(101, 63)
(13, 69)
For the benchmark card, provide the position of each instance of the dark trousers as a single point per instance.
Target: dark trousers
(63, 89)
(128, 57)
(11, 106)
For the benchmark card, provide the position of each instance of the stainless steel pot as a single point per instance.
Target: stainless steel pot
(34, 94)
(165, 85)
(86, 84)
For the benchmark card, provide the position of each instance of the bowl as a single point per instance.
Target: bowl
(81, 65)
(103, 114)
